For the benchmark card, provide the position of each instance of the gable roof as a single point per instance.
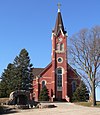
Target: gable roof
(50, 64)
(74, 70)
(36, 71)
(39, 71)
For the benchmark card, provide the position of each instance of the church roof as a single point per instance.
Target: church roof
(40, 71)
(36, 71)
(74, 70)
(59, 24)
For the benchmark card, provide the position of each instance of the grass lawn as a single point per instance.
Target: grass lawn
(88, 104)
(98, 104)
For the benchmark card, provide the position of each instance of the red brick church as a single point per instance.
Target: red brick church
(59, 77)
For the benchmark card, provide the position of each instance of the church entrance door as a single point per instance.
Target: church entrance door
(59, 95)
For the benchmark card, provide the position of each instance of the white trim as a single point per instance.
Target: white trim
(53, 71)
(58, 51)
(60, 39)
(58, 10)
(66, 34)
(61, 59)
(42, 81)
(53, 82)
(65, 71)
(53, 58)
(60, 67)
(62, 32)
(53, 96)
(52, 36)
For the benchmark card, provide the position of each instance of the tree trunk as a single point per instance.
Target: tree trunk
(93, 94)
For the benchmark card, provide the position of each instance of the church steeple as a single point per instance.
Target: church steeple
(59, 23)
(59, 58)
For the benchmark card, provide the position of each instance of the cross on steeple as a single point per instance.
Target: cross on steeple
(59, 5)
(59, 22)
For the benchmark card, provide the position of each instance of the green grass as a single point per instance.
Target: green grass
(87, 104)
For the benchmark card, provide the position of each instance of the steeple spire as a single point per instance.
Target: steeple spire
(59, 23)
(59, 5)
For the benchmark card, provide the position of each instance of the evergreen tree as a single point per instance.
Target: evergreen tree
(44, 94)
(23, 70)
(7, 79)
(81, 93)
(17, 75)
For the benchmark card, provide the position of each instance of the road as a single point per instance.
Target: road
(61, 109)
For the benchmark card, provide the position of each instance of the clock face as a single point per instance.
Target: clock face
(59, 39)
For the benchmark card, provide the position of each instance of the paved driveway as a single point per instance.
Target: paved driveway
(61, 109)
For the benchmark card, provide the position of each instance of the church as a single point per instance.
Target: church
(59, 77)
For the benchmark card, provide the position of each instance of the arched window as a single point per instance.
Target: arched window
(73, 86)
(61, 47)
(57, 46)
(43, 83)
(59, 77)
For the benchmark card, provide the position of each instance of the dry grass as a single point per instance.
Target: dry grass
(3, 100)
(98, 104)
(88, 104)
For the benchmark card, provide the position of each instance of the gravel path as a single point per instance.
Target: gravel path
(61, 109)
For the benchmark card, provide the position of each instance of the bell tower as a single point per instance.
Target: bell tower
(59, 59)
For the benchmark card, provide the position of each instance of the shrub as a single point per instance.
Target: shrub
(80, 94)
(44, 94)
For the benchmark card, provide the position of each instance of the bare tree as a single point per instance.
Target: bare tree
(85, 54)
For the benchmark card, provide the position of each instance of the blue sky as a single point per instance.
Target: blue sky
(28, 24)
